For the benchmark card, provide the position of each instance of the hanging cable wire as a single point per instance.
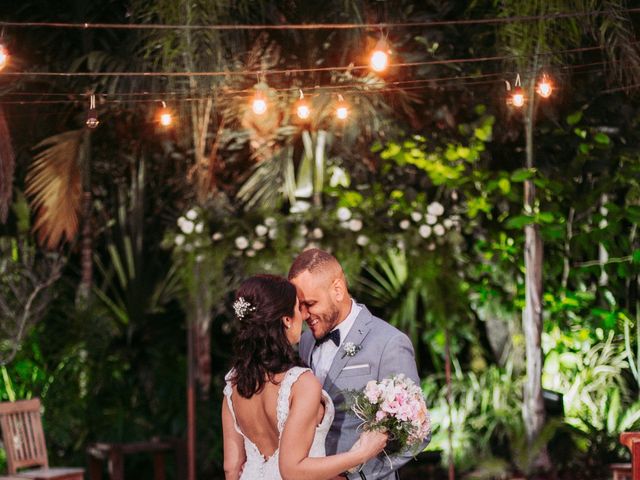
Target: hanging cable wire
(317, 26)
(292, 70)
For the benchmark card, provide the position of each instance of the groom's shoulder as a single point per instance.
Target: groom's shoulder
(382, 327)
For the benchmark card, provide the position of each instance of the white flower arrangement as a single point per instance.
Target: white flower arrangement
(355, 225)
(435, 208)
(261, 230)
(438, 230)
(343, 214)
(362, 240)
(424, 231)
(241, 243)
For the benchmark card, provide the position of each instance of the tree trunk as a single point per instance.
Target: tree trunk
(86, 243)
(533, 408)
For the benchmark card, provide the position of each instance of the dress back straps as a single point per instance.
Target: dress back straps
(228, 390)
(285, 392)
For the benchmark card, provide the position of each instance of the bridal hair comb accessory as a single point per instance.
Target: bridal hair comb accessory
(242, 307)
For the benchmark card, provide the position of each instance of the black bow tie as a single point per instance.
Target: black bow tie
(332, 335)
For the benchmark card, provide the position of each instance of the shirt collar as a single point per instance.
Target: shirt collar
(347, 323)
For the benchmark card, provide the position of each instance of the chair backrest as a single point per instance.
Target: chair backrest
(632, 441)
(22, 434)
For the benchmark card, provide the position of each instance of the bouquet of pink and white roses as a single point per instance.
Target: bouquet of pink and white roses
(396, 406)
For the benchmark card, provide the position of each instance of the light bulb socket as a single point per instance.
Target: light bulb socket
(92, 118)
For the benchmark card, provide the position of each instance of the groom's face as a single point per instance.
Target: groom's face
(315, 296)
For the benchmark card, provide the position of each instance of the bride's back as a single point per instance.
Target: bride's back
(257, 416)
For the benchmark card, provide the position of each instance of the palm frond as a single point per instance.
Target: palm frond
(54, 183)
(7, 166)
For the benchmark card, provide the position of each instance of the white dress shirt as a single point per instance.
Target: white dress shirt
(322, 356)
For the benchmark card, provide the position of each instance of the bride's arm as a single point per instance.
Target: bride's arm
(298, 434)
(234, 454)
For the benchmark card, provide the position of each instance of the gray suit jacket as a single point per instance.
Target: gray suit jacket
(385, 351)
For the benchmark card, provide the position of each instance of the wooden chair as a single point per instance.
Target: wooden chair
(631, 440)
(25, 445)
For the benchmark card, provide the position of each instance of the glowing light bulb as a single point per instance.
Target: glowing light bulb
(517, 98)
(342, 109)
(4, 56)
(259, 104)
(379, 61)
(544, 88)
(92, 118)
(166, 119)
(303, 111)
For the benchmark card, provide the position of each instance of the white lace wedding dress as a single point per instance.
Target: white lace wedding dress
(257, 466)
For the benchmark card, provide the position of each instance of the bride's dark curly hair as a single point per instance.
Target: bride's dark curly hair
(261, 348)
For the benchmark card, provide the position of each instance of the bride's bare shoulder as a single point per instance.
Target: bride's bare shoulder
(307, 386)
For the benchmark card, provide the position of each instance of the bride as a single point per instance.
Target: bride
(276, 415)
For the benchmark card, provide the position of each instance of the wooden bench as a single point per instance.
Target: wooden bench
(113, 455)
(25, 445)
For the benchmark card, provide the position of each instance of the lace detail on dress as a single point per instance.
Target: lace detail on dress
(285, 392)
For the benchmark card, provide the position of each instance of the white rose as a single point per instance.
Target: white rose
(400, 244)
(430, 219)
(251, 253)
(448, 223)
(270, 222)
(261, 230)
(303, 230)
(344, 214)
(179, 240)
(317, 233)
(416, 216)
(404, 224)
(344, 224)
(431, 247)
(257, 245)
(436, 209)
(199, 258)
(186, 226)
(424, 231)
(216, 236)
(438, 230)
(199, 227)
(192, 214)
(273, 234)
(241, 243)
(355, 225)
(362, 240)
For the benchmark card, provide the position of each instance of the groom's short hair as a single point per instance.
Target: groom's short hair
(313, 260)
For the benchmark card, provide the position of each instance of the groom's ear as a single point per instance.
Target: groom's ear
(339, 290)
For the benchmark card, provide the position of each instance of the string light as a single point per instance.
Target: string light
(259, 103)
(517, 97)
(165, 116)
(379, 59)
(4, 56)
(342, 108)
(92, 116)
(302, 108)
(544, 88)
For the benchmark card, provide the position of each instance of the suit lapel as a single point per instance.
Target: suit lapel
(307, 343)
(356, 335)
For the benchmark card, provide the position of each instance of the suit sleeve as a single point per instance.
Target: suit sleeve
(397, 357)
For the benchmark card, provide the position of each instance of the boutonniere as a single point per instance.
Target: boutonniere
(350, 349)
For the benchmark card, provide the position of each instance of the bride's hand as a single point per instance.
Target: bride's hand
(370, 444)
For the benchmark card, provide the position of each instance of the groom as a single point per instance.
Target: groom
(346, 346)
